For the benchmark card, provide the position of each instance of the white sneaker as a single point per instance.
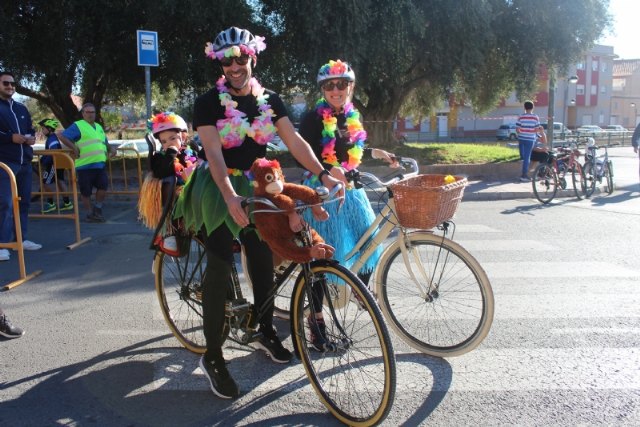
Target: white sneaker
(28, 245)
(4, 255)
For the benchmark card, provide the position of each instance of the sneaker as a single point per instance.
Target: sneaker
(28, 245)
(270, 344)
(97, 212)
(525, 179)
(4, 255)
(318, 335)
(7, 329)
(49, 207)
(67, 206)
(219, 378)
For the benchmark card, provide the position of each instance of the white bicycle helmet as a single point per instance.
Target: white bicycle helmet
(166, 121)
(242, 42)
(336, 70)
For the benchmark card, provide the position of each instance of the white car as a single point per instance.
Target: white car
(591, 130)
(615, 128)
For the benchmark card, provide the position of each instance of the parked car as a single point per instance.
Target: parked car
(559, 130)
(589, 130)
(126, 148)
(507, 132)
(615, 128)
(277, 144)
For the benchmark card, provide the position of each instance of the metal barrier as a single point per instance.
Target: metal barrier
(61, 161)
(126, 155)
(17, 245)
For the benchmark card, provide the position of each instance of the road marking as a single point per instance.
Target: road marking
(546, 269)
(566, 306)
(504, 245)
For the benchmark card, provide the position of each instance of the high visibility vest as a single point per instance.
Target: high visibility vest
(91, 144)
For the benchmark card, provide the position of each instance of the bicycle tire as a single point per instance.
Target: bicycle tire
(356, 381)
(545, 183)
(607, 173)
(577, 177)
(590, 178)
(452, 318)
(178, 282)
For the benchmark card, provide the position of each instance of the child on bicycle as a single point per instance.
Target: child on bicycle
(171, 168)
(52, 179)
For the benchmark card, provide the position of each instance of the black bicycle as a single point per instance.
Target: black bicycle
(355, 378)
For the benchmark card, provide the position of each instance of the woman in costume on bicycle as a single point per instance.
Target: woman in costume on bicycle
(235, 120)
(170, 170)
(335, 133)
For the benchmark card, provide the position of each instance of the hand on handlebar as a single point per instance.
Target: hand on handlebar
(237, 212)
(390, 158)
(319, 213)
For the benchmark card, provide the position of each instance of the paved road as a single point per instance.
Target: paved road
(563, 350)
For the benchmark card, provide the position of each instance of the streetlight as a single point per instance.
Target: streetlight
(635, 114)
(570, 80)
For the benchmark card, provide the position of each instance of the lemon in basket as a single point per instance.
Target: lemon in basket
(449, 179)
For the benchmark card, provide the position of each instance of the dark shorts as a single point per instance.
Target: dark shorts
(90, 178)
(49, 174)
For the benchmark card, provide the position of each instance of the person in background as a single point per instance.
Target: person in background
(334, 131)
(52, 179)
(89, 143)
(16, 139)
(8, 329)
(528, 128)
(235, 120)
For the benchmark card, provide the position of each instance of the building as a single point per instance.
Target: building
(625, 96)
(585, 102)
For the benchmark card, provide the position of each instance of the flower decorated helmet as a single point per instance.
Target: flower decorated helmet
(234, 41)
(166, 121)
(336, 70)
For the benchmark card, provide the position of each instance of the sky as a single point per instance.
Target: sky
(626, 29)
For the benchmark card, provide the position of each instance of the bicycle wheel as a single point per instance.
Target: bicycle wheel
(579, 183)
(545, 183)
(179, 290)
(355, 380)
(435, 294)
(590, 178)
(607, 173)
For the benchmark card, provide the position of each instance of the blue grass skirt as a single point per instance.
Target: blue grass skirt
(201, 202)
(344, 228)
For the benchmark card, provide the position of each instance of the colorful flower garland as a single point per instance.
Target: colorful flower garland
(357, 134)
(235, 127)
(255, 47)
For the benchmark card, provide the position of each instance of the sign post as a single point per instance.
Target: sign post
(148, 57)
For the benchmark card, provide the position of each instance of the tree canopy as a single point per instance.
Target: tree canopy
(408, 55)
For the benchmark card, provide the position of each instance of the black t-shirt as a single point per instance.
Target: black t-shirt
(208, 110)
(311, 130)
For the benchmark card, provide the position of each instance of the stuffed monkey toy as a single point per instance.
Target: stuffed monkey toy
(277, 228)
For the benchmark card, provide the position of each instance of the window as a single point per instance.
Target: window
(603, 68)
(594, 90)
(603, 89)
(601, 117)
(579, 89)
(580, 66)
(594, 65)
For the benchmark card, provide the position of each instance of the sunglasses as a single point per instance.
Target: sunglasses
(7, 84)
(240, 60)
(340, 84)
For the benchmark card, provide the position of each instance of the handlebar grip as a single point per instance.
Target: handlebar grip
(334, 191)
(244, 203)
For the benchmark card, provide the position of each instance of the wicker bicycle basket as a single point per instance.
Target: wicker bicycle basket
(426, 201)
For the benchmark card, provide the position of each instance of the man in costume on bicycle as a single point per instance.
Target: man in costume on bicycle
(235, 120)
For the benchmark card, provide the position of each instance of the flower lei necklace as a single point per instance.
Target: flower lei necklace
(235, 127)
(357, 134)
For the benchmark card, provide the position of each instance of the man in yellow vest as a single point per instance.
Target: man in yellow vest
(89, 142)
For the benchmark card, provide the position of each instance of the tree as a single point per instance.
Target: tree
(477, 50)
(89, 48)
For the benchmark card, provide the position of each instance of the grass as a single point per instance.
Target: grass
(442, 154)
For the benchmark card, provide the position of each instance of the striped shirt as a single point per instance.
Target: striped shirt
(527, 126)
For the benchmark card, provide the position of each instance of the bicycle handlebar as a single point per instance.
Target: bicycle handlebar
(324, 193)
(405, 162)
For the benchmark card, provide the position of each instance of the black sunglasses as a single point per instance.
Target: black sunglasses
(7, 84)
(340, 84)
(240, 60)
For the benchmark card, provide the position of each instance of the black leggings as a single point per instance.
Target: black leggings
(219, 247)
(318, 291)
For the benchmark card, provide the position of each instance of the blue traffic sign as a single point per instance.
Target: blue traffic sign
(148, 48)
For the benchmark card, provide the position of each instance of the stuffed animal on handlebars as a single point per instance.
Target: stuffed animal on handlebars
(278, 230)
